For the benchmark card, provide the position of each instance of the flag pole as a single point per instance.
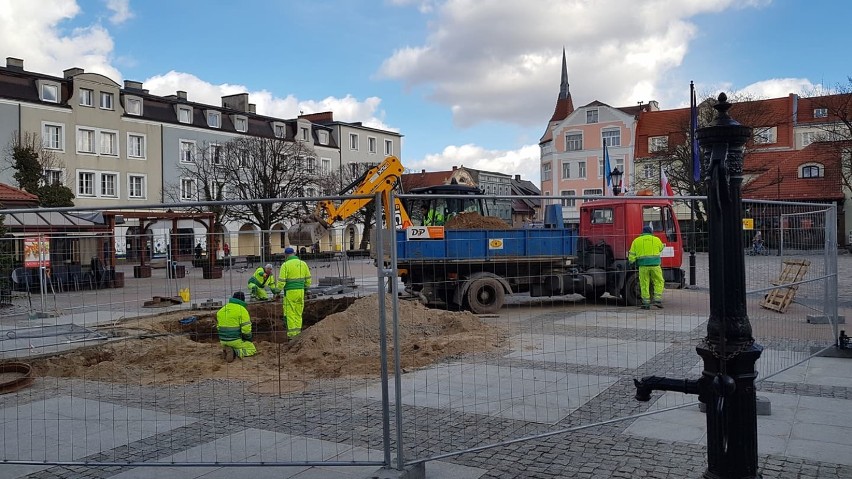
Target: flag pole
(693, 119)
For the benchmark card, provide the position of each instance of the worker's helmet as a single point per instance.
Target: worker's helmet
(647, 229)
(240, 295)
(268, 267)
(289, 251)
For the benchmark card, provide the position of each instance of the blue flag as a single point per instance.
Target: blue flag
(608, 178)
(693, 125)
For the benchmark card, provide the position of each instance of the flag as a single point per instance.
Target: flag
(608, 178)
(693, 125)
(665, 186)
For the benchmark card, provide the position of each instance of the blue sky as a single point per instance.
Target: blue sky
(468, 82)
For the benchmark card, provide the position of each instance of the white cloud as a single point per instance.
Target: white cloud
(120, 11)
(523, 161)
(498, 60)
(778, 87)
(347, 109)
(31, 31)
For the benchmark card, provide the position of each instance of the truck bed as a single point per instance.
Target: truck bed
(484, 245)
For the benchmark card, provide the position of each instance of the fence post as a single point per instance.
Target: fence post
(383, 339)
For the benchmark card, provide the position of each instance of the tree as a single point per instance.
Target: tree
(837, 128)
(30, 160)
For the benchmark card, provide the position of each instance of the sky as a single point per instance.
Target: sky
(466, 82)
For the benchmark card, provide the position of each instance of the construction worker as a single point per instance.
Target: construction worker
(234, 327)
(434, 216)
(645, 252)
(261, 279)
(294, 278)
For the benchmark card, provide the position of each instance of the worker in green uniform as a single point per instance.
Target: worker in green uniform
(434, 215)
(234, 327)
(645, 252)
(293, 279)
(261, 279)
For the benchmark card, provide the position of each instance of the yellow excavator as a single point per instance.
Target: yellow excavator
(382, 178)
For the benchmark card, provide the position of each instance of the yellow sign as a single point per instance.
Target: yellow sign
(748, 223)
(496, 243)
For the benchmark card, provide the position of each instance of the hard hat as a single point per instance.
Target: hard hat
(289, 250)
(240, 295)
(647, 229)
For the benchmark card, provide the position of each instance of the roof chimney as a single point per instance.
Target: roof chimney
(14, 63)
(181, 95)
(237, 102)
(72, 72)
(252, 108)
(517, 177)
(132, 85)
(454, 168)
(422, 172)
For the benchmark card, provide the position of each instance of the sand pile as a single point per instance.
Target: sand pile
(345, 344)
(473, 221)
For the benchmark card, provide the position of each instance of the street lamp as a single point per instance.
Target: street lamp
(615, 176)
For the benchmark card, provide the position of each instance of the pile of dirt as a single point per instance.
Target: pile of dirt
(161, 350)
(472, 220)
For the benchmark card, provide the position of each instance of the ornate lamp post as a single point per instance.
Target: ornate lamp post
(729, 352)
(616, 175)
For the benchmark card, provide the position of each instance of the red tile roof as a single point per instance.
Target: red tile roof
(9, 195)
(777, 174)
(424, 179)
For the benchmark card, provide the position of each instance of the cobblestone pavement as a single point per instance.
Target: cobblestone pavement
(334, 411)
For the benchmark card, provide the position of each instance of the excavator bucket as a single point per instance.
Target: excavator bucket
(308, 232)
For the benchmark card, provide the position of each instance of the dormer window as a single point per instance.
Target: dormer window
(323, 137)
(214, 119)
(303, 134)
(184, 115)
(820, 112)
(658, 143)
(50, 92)
(811, 170)
(241, 123)
(106, 101)
(591, 116)
(87, 97)
(133, 106)
(765, 135)
(279, 129)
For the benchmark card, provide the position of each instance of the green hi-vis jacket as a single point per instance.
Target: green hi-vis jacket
(294, 274)
(261, 279)
(645, 250)
(233, 321)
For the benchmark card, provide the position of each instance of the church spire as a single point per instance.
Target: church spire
(564, 103)
(563, 87)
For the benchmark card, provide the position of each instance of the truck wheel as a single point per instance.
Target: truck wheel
(485, 296)
(632, 294)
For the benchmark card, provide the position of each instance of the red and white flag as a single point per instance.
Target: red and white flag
(665, 186)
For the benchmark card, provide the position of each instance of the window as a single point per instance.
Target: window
(611, 137)
(310, 192)
(310, 165)
(592, 192)
(50, 92)
(108, 184)
(109, 143)
(187, 189)
(764, 135)
(216, 154)
(326, 165)
(85, 183)
(591, 116)
(323, 137)
(106, 100)
(601, 216)
(85, 140)
(213, 119)
(53, 136)
(570, 203)
(303, 133)
(648, 171)
(813, 170)
(546, 172)
(566, 170)
(133, 106)
(371, 145)
(87, 97)
(581, 169)
(185, 115)
(135, 146)
(54, 177)
(136, 186)
(187, 151)
(573, 142)
(820, 112)
(241, 124)
(217, 190)
(242, 159)
(388, 147)
(808, 137)
(658, 143)
(279, 131)
(353, 141)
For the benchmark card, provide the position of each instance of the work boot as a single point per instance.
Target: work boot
(658, 304)
(645, 306)
(229, 354)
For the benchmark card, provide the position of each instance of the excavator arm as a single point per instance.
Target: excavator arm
(382, 178)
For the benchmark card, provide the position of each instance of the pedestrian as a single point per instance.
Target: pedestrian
(227, 250)
(198, 250)
(645, 252)
(293, 279)
(233, 325)
(262, 279)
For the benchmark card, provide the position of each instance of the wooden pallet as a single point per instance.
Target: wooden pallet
(779, 299)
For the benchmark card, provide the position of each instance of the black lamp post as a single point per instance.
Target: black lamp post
(729, 352)
(615, 176)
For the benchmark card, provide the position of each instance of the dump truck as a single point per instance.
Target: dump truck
(476, 269)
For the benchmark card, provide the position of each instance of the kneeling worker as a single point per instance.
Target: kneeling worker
(261, 279)
(234, 327)
(294, 278)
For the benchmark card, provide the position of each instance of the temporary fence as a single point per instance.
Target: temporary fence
(118, 331)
